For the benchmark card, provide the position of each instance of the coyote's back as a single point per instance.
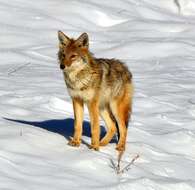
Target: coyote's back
(115, 78)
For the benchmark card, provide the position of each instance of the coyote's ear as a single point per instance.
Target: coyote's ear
(64, 40)
(83, 40)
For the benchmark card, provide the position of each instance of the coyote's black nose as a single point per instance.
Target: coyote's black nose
(62, 66)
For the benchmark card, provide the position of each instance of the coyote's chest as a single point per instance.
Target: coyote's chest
(79, 84)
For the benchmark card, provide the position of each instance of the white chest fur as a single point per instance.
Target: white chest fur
(85, 95)
(78, 87)
(70, 76)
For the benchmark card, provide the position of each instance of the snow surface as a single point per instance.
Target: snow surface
(156, 39)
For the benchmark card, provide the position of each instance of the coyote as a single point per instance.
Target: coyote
(104, 85)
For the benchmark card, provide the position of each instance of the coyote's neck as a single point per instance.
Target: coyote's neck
(78, 78)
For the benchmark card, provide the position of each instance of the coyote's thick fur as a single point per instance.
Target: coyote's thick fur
(104, 85)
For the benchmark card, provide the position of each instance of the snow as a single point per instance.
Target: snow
(156, 39)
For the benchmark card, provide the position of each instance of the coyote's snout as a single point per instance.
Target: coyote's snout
(104, 85)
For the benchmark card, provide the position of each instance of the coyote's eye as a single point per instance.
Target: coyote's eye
(73, 56)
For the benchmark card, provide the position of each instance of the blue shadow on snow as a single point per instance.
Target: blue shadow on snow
(63, 127)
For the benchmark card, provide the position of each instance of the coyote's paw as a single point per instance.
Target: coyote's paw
(74, 143)
(103, 143)
(94, 147)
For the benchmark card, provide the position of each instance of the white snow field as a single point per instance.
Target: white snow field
(156, 39)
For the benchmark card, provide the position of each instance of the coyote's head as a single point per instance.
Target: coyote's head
(72, 53)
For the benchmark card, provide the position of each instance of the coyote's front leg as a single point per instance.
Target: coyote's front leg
(78, 121)
(93, 107)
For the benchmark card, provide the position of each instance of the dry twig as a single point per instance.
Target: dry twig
(118, 168)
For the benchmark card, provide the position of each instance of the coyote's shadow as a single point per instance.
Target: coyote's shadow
(63, 127)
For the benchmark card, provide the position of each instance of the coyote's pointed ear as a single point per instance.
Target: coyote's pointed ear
(83, 40)
(64, 40)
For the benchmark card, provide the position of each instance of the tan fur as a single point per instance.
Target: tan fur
(104, 85)
(93, 107)
(110, 124)
(78, 115)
